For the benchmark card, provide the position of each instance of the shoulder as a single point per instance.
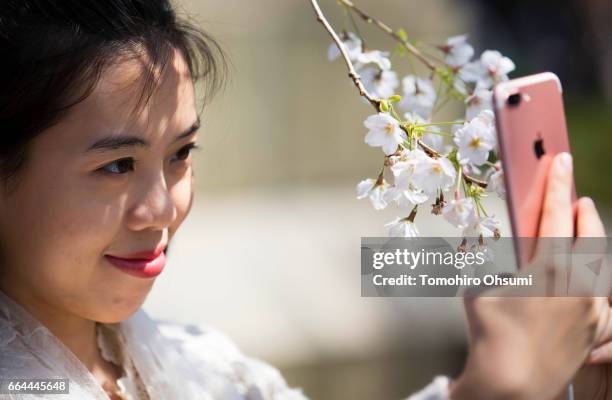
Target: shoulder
(206, 344)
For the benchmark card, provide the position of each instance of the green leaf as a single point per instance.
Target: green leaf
(453, 158)
(402, 34)
(384, 106)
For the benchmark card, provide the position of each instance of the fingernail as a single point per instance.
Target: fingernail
(588, 201)
(564, 161)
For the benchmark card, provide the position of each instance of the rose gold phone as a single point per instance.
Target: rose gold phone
(531, 130)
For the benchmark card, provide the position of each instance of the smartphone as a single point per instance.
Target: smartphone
(531, 130)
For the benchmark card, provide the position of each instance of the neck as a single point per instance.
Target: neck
(76, 333)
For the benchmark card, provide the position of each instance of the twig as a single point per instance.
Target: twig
(475, 181)
(409, 46)
(357, 79)
(351, 69)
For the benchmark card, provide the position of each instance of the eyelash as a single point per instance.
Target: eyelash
(183, 154)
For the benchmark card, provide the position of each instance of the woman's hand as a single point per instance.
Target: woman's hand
(594, 380)
(531, 347)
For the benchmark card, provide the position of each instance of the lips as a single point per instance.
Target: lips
(144, 264)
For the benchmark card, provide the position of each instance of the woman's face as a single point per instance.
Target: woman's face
(74, 205)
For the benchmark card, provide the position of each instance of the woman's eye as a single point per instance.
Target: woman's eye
(184, 152)
(119, 167)
(125, 165)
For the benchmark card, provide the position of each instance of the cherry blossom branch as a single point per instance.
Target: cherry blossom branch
(384, 27)
(475, 181)
(351, 68)
(357, 79)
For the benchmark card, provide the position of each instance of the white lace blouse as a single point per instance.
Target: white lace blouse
(160, 361)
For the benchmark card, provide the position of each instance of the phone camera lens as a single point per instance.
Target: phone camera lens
(514, 99)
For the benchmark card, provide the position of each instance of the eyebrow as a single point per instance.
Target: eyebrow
(119, 142)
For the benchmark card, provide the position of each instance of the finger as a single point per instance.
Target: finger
(557, 220)
(589, 250)
(470, 311)
(550, 268)
(588, 222)
(605, 330)
(601, 354)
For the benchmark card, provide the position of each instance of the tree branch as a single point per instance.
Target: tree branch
(357, 79)
(409, 46)
(475, 181)
(352, 73)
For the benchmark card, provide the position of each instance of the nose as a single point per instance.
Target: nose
(153, 207)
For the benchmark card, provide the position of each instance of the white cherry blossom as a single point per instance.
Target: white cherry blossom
(459, 212)
(491, 68)
(375, 191)
(402, 227)
(380, 83)
(380, 58)
(384, 131)
(485, 226)
(420, 176)
(481, 99)
(407, 196)
(431, 174)
(352, 44)
(419, 95)
(476, 138)
(404, 193)
(457, 51)
(496, 183)
(405, 166)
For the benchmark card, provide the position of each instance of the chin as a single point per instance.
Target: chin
(120, 309)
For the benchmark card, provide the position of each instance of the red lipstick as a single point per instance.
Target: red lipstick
(144, 264)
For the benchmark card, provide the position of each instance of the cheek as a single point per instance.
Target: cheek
(77, 225)
(60, 222)
(55, 248)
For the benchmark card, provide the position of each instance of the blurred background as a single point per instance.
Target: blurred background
(270, 254)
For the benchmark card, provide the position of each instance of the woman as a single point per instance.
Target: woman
(98, 117)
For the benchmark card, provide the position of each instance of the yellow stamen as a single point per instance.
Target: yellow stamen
(389, 128)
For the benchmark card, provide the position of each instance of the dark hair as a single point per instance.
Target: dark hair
(54, 51)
